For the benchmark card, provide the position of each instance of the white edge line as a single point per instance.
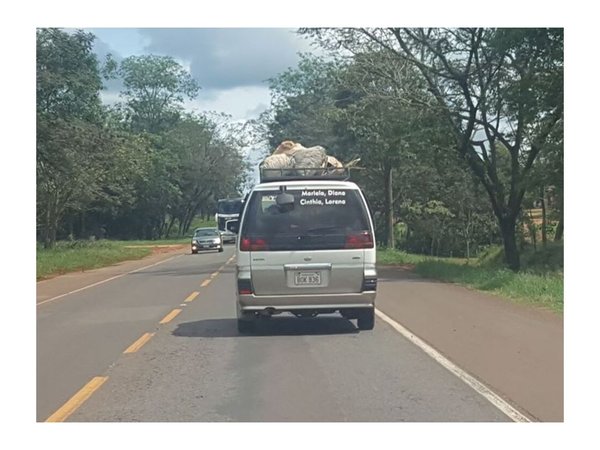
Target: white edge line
(104, 281)
(480, 388)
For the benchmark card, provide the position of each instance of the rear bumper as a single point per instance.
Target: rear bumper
(253, 303)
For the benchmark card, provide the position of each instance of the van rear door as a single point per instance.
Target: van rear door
(314, 245)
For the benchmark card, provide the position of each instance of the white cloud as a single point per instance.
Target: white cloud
(223, 58)
(122, 42)
(232, 65)
(241, 103)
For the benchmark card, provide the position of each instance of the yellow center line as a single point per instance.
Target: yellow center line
(214, 274)
(77, 400)
(170, 316)
(205, 283)
(192, 296)
(138, 344)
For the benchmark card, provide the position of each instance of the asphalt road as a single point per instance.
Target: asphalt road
(161, 345)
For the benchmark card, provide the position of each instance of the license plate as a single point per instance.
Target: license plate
(307, 278)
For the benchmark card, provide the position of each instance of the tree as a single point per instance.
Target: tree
(497, 88)
(68, 113)
(358, 108)
(303, 105)
(391, 131)
(210, 166)
(155, 88)
(121, 178)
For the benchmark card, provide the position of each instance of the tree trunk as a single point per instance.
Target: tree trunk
(51, 221)
(82, 229)
(171, 223)
(532, 230)
(46, 235)
(467, 234)
(544, 220)
(511, 252)
(189, 218)
(389, 207)
(559, 231)
(558, 235)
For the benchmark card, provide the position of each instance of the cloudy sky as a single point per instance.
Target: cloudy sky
(232, 65)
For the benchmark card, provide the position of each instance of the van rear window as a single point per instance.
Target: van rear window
(318, 219)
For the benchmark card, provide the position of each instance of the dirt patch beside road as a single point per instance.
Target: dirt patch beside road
(160, 249)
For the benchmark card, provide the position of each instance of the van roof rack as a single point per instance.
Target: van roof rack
(304, 173)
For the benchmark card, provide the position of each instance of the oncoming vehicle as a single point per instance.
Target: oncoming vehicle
(207, 239)
(228, 209)
(306, 246)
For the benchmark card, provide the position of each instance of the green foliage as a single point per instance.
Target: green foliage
(499, 91)
(420, 107)
(155, 88)
(544, 260)
(209, 166)
(386, 256)
(67, 78)
(541, 290)
(69, 130)
(199, 222)
(357, 108)
(538, 285)
(139, 169)
(303, 104)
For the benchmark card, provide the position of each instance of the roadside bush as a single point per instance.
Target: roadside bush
(541, 261)
(537, 284)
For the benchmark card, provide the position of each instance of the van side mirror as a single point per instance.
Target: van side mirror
(233, 225)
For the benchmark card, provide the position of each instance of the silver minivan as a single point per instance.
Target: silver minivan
(306, 247)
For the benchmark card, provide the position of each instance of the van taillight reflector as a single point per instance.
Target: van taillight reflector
(253, 244)
(244, 286)
(359, 240)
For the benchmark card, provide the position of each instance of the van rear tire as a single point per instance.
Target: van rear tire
(366, 319)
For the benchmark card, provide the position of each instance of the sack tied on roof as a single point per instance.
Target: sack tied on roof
(294, 156)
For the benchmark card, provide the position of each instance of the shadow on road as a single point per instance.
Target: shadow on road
(188, 271)
(275, 326)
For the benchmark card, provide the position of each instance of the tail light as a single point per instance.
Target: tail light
(362, 239)
(253, 244)
(244, 286)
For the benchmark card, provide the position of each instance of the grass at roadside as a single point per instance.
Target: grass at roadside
(85, 255)
(533, 286)
(397, 257)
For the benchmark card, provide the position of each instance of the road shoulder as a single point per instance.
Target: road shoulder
(61, 285)
(516, 350)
